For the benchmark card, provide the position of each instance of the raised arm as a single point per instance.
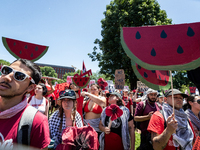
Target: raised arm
(101, 101)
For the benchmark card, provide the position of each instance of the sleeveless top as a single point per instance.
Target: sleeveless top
(96, 109)
(38, 104)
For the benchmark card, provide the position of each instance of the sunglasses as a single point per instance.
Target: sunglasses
(198, 101)
(70, 93)
(18, 76)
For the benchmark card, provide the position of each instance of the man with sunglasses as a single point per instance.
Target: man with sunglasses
(171, 131)
(16, 80)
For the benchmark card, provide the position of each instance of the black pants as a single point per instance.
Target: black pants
(146, 142)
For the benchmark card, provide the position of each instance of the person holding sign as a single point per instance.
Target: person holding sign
(171, 131)
(117, 136)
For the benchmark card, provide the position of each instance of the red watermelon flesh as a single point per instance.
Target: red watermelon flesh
(166, 47)
(156, 79)
(25, 50)
(82, 82)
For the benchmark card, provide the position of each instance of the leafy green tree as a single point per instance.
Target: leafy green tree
(96, 75)
(48, 71)
(123, 13)
(4, 62)
(180, 80)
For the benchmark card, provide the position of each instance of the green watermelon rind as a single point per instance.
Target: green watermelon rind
(149, 84)
(81, 87)
(189, 66)
(17, 57)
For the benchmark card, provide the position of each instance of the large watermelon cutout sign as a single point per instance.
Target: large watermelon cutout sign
(155, 79)
(166, 47)
(25, 50)
(80, 80)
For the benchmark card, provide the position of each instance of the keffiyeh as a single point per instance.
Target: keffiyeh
(54, 124)
(184, 135)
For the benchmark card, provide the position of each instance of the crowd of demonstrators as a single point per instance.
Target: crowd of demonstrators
(171, 131)
(117, 137)
(143, 113)
(92, 106)
(16, 80)
(38, 100)
(193, 112)
(66, 116)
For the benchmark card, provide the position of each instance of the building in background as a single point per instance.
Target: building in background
(60, 70)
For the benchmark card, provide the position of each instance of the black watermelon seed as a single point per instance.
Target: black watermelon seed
(159, 77)
(31, 54)
(77, 83)
(138, 36)
(167, 73)
(179, 50)
(163, 34)
(139, 67)
(14, 43)
(75, 79)
(145, 75)
(83, 83)
(20, 52)
(153, 52)
(26, 47)
(190, 32)
(165, 81)
(80, 79)
(153, 71)
(36, 48)
(85, 79)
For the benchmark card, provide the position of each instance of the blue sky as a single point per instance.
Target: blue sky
(69, 27)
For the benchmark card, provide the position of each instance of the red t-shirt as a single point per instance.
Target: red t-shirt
(156, 124)
(128, 102)
(39, 133)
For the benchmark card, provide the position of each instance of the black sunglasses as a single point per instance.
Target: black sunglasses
(198, 101)
(18, 75)
(67, 93)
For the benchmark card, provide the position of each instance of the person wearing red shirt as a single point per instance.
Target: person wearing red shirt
(171, 131)
(128, 101)
(16, 80)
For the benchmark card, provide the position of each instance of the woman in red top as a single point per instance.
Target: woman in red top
(93, 106)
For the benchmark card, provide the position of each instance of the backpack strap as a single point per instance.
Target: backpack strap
(144, 105)
(25, 125)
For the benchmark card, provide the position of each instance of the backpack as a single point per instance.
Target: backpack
(25, 125)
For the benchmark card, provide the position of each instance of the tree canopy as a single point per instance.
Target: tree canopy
(4, 62)
(48, 71)
(123, 13)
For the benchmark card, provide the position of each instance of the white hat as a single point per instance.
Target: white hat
(151, 91)
(125, 90)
